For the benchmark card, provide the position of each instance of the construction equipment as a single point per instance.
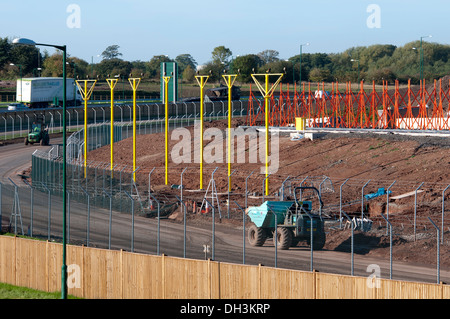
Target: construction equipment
(293, 220)
(38, 133)
(217, 94)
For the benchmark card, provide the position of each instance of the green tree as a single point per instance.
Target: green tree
(281, 66)
(188, 74)
(5, 48)
(245, 64)
(139, 69)
(268, 56)
(221, 55)
(380, 75)
(111, 52)
(53, 65)
(113, 67)
(185, 60)
(214, 71)
(154, 65)
(27, 56)
(77, 68)
(310, 61)
(320, 75)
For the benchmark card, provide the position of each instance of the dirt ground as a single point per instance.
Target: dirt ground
(382, 159)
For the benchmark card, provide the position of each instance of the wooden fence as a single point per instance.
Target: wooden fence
(98, 273)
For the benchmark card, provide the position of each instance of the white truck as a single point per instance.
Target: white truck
(46, 91)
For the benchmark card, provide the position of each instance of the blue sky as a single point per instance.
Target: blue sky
(143, 29)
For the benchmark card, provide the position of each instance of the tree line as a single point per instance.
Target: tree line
(372, 63)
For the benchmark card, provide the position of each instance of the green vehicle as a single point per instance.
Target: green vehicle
(293, 220)
(38, 134)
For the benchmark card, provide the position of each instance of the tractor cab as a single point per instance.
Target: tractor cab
(38, 133)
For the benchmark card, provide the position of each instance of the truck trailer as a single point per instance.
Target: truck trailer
(46, 92)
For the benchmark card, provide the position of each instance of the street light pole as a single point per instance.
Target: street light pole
(353, 60)
(63, 48)
(74, 65)
(21, 81)
(421, 56)
(300, 80)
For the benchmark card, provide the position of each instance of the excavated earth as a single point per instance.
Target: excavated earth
(377, 159)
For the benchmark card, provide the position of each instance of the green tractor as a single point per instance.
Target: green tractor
(293, 220)
(38, 134)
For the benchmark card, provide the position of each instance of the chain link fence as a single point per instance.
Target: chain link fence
(109, 209)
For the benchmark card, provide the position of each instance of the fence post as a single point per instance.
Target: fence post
(415, 209)
(351, 243)
(228, 204)
(120, 185)
(282, 188)
(275, 239)
(442, 218)
(132, 220)
(438, 250)
(390, 245)
(362, 204)
(184, 225)
(110, 217)
(213, 230)
(387, 203)
(49, 210)
(311, 239)
(181, 182)
(88, 215)
(31, 208)
(246, 191)
(243, 232)
(340, 203)
(159, 226)
(301, 183)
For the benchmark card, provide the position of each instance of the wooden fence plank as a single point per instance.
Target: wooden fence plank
(8, 260)
(239, 281)
(286, 284)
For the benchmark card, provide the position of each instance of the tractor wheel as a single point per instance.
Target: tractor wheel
(26, 140)
(318, 241)
(284, 238)
(256, 236)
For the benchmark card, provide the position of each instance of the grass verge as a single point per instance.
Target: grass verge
(13, 292)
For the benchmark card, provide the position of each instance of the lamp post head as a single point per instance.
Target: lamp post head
(23, 41)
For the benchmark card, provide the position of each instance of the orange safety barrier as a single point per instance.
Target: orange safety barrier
(421, 108)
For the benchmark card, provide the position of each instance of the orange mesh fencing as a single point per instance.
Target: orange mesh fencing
(372, 107)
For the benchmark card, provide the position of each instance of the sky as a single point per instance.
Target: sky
(143, 29)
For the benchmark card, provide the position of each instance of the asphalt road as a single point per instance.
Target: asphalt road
(226, 244)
